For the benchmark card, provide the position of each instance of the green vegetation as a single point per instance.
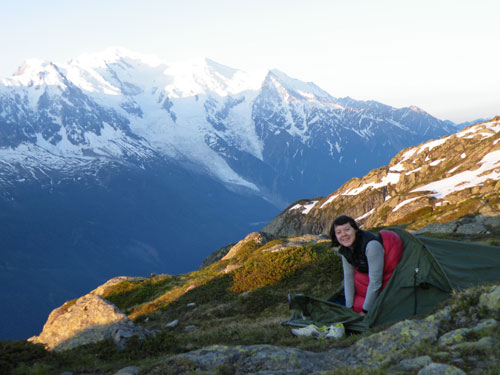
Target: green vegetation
(131, 293)
(417, 215)
(241, 307)
(245, 307)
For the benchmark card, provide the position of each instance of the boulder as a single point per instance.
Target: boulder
(380, 348)
(86, 320)
(470, 224)
(413, 364)
(471, 228)
(482, 344)
(131, 370)
(440, 369)
(450, 227)
(454, 337)
(491, 300)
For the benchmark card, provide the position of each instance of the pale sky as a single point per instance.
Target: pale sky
(440, 55)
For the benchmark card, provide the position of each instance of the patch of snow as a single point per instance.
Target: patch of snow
(436, 162)
(404, 203)
(397, 168)
(309, 207)
(408, 154)
(494, 126)
(329, 200)
(489, 170)
(365, 215)
(306, 207)
(389, 179)
(467, 132)
(439, 204)
(413, 171)
(432, 144)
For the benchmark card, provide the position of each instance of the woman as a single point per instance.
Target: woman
(367, 265)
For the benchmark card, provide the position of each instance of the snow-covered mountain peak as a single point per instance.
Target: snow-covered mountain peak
(35, 72)
(116, 71)
(204, 76)
(306, 90)
(416, 109)
(220, 69)
(30, 65)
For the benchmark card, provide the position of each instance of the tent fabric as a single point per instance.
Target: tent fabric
(428, 272)
(465, 264)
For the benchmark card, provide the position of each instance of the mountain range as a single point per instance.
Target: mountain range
(120, 163)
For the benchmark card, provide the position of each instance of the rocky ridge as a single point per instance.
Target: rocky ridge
(436, 182)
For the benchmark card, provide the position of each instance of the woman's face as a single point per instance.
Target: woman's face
(345, 234)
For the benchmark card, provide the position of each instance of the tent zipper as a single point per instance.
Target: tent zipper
(415, 291)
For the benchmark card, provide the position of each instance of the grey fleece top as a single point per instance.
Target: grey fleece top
(375, 255)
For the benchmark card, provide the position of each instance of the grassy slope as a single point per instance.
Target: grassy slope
(244, 307)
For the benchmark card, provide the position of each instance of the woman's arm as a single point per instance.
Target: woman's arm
(375, 255)
(348, 282)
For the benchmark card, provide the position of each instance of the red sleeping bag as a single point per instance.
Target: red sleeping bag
(393, 250)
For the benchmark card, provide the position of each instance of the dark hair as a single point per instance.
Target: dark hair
(341, 220)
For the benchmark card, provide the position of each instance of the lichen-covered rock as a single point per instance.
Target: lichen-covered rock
(482, 344)
(449, 227)
(440, 369)
(443, 315)
(413, 364)
(486, 325)
(257, 359)
(472, 228)
(459, 335)
(492, 221)
(88, 319)
(131, 370)
(454, 337)
(491, 300)
(380, 348)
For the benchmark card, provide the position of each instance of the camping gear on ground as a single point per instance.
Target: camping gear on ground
(427, 274)
(334, 331)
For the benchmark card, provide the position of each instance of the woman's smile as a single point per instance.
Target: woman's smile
(345, 234)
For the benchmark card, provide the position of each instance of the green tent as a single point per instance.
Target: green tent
(427, 274)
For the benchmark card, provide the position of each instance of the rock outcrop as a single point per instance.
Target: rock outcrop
(86, 320)
(468, 225)
(256, 237)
